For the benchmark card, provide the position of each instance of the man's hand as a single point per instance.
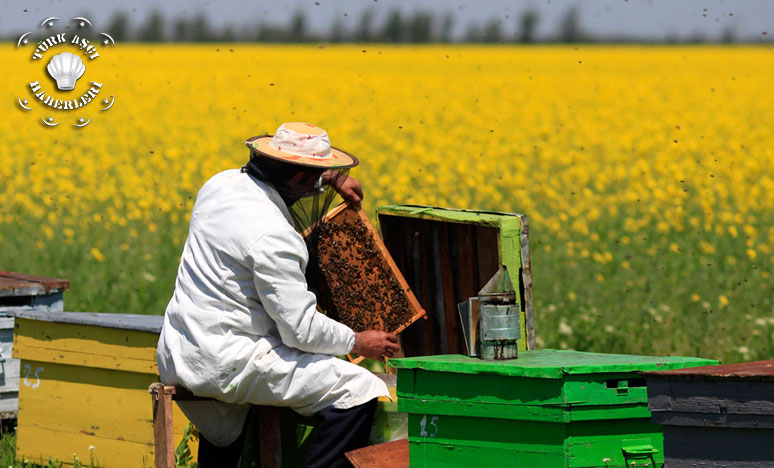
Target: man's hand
(348, 187)
(375, 344)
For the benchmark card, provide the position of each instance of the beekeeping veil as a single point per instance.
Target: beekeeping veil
(295, 160)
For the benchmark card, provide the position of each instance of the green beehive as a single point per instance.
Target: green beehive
(546, 409)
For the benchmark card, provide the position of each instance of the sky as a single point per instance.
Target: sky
(646, 19)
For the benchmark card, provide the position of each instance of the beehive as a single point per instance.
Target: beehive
(715, 415)
(19, 291)
(547, 409)
(447, 256)
(354, 277)
(86, 385)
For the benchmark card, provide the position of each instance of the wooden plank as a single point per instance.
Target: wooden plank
(420, 244)
(9, 404)
(757, 370)
(80, 359)
(16, 287)
(161, 401)
(413, 338)
(393, 241)
(692, 447)
(488, 256)
(144, 323)
(464, 268)
(449, 297)
(393, 454)
(6, 326)
(440, 318)
(525, 283)
(9, 377)
(46, 284)
(73, 339)
(270, 436)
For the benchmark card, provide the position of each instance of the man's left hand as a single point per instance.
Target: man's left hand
(348, 187)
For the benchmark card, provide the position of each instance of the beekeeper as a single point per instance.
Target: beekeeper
(242, 326)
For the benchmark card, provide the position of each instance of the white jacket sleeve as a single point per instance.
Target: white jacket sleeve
(279, 259)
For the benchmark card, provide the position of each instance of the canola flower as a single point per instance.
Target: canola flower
(645, 171)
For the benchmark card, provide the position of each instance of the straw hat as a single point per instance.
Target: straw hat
(303, 144)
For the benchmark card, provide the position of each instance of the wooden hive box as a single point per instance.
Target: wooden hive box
(715, 415)
(18, 291)
(447, 256)
(85, 379)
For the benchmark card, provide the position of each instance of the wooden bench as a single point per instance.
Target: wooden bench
(162, 397)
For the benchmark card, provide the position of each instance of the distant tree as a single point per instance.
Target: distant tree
(671, 38)
(729, 35)
(473, 33)
(697, 38)
(493, 32)
(394, 28)
(419, 29)
(338, 32)
(200, 28)
(365, 26)
(528, 21)
(153, 28)
(228, 34)
(297, 27)
(268, 33)
(569, 27)
(181, 30)
(118, 27)
(446, 27)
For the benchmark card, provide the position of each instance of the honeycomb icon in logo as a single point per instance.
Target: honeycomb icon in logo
(66, 68)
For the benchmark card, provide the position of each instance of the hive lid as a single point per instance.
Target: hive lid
(548, 363)
(17, 284)
(745, 370)
(490, 218)
(148, 323)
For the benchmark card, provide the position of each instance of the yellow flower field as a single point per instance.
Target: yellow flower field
(646, 172)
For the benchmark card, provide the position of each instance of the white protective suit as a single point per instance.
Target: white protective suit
(242, 327)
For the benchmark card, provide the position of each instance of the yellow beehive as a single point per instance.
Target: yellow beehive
(84, 387)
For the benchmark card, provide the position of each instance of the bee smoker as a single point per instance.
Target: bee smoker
(490, 321)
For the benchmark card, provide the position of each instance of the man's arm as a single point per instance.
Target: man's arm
(278, 259)
(279, 279)
(348, 187)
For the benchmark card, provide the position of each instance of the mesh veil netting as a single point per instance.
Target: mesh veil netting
(307, 210)
(308, 216)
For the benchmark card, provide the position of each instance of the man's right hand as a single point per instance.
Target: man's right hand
(375, 344)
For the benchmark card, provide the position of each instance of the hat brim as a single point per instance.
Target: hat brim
(339, 159)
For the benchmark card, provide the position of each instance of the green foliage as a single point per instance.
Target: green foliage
(8, 457)
(183, 456)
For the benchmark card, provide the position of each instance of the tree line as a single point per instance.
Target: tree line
(394, 27)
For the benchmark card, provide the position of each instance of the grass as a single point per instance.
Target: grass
(183, 456)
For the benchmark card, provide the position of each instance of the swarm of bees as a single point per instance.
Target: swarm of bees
(351, 277)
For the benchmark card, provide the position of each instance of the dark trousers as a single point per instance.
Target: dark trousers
(336, 431)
